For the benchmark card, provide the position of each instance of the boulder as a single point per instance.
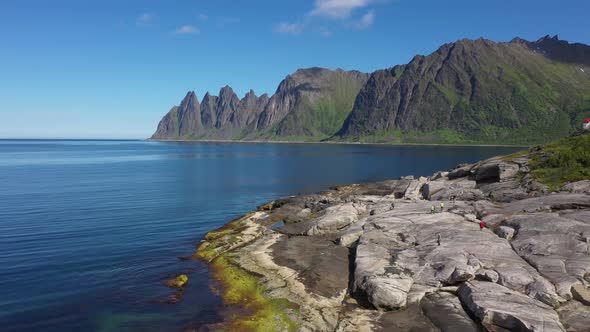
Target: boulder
(487, 275)
(496, 171)
(387, 293)
(581, 293)
(577, 187)
(438, 175)
(445, 311)
(574, 316)
(505, 232)
(336, 218)
(501, 309)
(460, 172)
(413, 192)
(461, 189)
(505, 191)
(352, 234)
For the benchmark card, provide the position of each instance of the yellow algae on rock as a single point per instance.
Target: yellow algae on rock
(178, 282)
(231, 236)
(241, 288)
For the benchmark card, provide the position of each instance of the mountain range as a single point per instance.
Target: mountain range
(469, 91)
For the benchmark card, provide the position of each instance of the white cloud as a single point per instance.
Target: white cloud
(145, 19)
(289, 28)
(366, 21)
(337, 9)
(187, 30)
(203, 17)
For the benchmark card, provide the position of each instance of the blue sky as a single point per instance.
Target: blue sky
(113, 68)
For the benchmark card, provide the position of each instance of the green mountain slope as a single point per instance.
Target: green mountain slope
(473, 91)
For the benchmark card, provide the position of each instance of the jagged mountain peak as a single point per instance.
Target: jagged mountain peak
(226, 90)
(190, 98)
(558, 50)
(470, 88)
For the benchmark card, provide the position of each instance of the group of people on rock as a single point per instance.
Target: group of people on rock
(433, 209)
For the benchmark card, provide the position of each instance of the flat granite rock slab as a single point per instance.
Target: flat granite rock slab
(398, 250)
(579, 215)
(411, 320)
(559, 248)
(575, 316)
(501, 309)
(321, 265)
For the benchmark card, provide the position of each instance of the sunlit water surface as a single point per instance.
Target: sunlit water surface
(89, 230)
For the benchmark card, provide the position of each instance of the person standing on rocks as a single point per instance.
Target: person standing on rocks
(442, 206)
(433, 209)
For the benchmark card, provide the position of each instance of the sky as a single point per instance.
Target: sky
(113, 68)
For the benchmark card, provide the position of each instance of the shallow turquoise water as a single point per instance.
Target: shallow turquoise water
(89, 230)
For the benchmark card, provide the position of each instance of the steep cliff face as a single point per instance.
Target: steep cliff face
(311, 102)
(182, 120)
(476, 90)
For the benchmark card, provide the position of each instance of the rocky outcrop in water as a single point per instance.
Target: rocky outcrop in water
(502, 254)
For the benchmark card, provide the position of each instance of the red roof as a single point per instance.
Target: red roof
(586, 120)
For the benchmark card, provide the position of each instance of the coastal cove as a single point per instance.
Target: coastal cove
(93, 229)
(497, 245)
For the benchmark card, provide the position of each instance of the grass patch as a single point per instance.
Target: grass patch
(567, 160)
(240, 288)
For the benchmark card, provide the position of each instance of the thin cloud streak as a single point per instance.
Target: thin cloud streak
(187, 30)
(366, 21)
(145, 19)
(289, 28)
(337, 9)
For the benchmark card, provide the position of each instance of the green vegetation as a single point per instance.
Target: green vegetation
(397, 136)
(567, 160)
(317, 118)
(258, 313)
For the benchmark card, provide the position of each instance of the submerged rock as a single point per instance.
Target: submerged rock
(178, 282)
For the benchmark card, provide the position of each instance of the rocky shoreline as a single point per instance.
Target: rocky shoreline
(506, 253)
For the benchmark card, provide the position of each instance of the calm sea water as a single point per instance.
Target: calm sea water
(89, 230)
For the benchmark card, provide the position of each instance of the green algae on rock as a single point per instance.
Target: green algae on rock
(241, 288)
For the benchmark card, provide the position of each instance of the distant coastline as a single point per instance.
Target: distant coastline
(336, 143)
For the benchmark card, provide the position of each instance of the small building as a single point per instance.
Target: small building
(586, 124)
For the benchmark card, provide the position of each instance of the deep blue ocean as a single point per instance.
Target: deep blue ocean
(89, 230)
